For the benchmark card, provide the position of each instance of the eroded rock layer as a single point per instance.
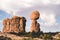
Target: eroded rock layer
(15, 24)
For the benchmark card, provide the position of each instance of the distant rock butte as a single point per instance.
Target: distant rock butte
(15, 24)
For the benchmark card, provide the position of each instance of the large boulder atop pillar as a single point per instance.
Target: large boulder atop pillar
(34, 15)
(35, 26)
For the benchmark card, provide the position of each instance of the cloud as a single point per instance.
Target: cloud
(0, 15)
(1, 22)
(49, 19)
(13, 6)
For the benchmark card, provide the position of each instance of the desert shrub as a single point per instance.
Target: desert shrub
(5, 38)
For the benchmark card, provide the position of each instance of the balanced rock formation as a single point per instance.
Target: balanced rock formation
(35, 26)
(15, 24)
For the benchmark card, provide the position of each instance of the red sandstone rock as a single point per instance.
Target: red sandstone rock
(34, 15)
(35, 26)
(15, 24)
(6, 23)
(22, 24)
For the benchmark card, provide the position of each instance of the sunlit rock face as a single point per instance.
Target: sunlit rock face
(15, 24)
(34, 15)
(35, 26)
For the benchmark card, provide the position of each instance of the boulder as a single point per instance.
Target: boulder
(34, 15)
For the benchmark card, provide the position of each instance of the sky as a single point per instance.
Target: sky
(49, 12)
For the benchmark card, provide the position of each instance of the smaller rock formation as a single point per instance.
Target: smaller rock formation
(35, 26)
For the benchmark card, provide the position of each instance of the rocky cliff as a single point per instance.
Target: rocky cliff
(15, 24)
